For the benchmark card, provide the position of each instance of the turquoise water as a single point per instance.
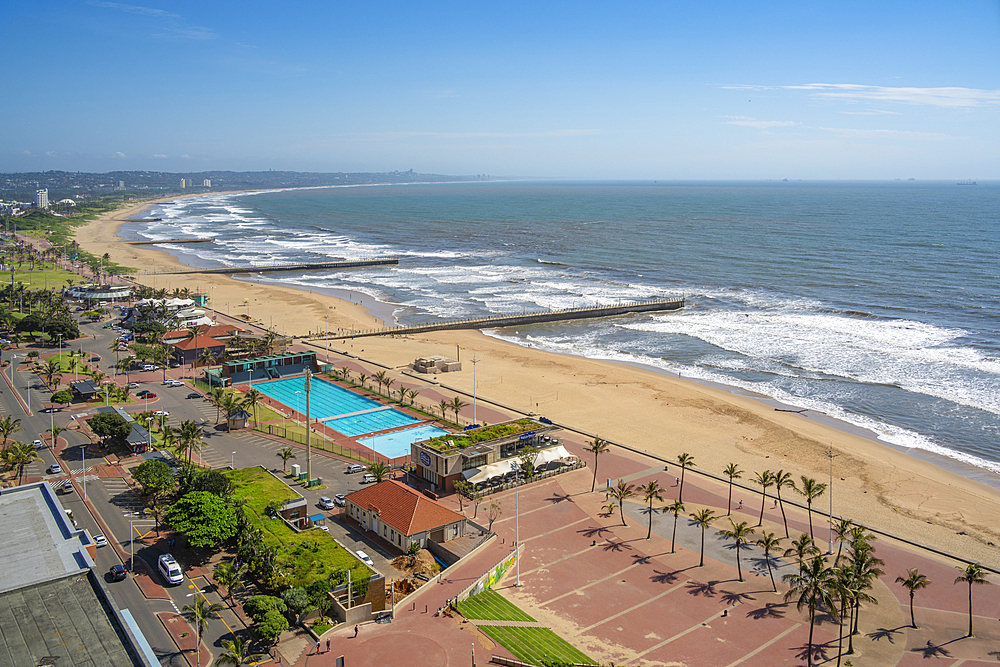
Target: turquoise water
(328, 400)
(398, 443)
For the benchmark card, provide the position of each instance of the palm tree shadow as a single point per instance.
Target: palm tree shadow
(557, 498)
(663, 577)
(639, 559)
(769, 610)
(616, 546)
(885, 633)
(818, 652)
(697, 588)
(594, 532)
(934, 651)
(734, 598)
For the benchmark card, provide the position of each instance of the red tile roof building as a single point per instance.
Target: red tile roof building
(400, 515)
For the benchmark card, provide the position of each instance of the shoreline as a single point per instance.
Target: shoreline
(880, 484)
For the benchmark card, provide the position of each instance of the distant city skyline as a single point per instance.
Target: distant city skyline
(548, 90)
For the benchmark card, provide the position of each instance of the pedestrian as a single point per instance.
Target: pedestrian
(741, 505)
(677, 480)
(327, 645)
(317, 646)
(355, 631)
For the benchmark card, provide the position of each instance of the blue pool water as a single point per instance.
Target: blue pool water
(398, 443)
(329, 400)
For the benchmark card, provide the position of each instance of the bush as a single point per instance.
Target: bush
(296, 598)
(259, 605)
(271, 625)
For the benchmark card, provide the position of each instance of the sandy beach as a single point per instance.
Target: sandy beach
(647, 410)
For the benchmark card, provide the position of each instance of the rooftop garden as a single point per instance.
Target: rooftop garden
(303, 557)
(483, 434)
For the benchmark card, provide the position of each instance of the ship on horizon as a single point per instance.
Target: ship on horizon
(969, 182)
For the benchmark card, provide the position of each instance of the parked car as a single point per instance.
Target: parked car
(118, 573)
(142, 393)
(149, 394)
(326, 503)
(149, 367)
(67, 487)
(174, 364)
(340, 500)
(170, 570)
(133, 385)
(100, 540)
(161, 413)
(54, 469)
(368, 478)
(94, 359)
(38, 444)
(195, 394)
(175, 383)
(356, 467)
(365, 558)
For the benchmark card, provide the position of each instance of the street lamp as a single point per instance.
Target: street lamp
(232, 461)
(149, 434)
(474, 418)
(517, 521)
(832, 457)
(213, 303)
(131, 541)
(327, 336)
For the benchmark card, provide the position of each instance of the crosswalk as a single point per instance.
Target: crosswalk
(126, 499)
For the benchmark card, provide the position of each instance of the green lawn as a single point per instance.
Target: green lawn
(489, 606)
(535, 644)
(306, 556)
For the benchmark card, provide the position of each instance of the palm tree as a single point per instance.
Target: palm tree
(191, 436)
(456, 405)
(443, 407)
(157, 510)
(199, 615)
(740, 534)
(782, 480)
(768, 543)
(686, 461)
(230, 576)
(863, 572)
(413, 395)
(815, 586)
(50, 372)
(597, 447)
(803, 548)
(812, 490)
(650, 492)
(361, 379)
(703, 518)
(206, 357)
(764, 479)
(237, 652)
(913, 582)
(379, 470)
(732, 471)
(18, 455)
(972, 574)
(251, 399)
(380, 378)
(675, 508)
(841, 528)
(8, 427)
(622, 491)
(388, 390)
(216, 397)
(284, 454)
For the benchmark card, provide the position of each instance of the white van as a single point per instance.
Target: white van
(170, 570)
(368, 478)
(365, 558)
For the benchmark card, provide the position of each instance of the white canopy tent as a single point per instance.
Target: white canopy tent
(500, 468)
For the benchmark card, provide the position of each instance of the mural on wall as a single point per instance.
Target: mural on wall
(488, 580)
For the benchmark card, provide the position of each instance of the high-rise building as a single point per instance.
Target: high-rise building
(120, 185)
(183, 183)
(207, 182)
(42, 198)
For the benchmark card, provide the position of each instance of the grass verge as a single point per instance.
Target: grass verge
(490, 606)
(535, 644)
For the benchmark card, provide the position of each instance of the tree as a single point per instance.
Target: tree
(251, 399)
(620, 493)
(271, 625)
(17, 455)
(379, 470)
(492, 514)
(442, 406)
(675, 508)
(205, 518)
(685, 461)
(972, 574)
(783, 480)
(650, 492)
(732, 471)
(841, 529)
(380, 377)
(155, 477)
(769, 543)
(456, 406)
(258, 605)
(158, 511)
(190, 436)
(230, 576)
(802, 548)
(109, 426)
(812, 490)
(296, 598)
(526, 461)
(597, 447)
(62, 397)
(199, 613)
(740, 534)
(50, 372)
(813, 586)
(462, 488)
(913, 582)
(237, 652)
(764, 479)
(8, 427)
(214, 482)
(284, 454)
(704, 519)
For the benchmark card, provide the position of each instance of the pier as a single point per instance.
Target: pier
(169, 240)
(499, 321)
(302, 266)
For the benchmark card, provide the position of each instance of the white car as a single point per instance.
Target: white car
(175, 383)
(161, 413)
(100, 540)
(365, 558)
(38, 444)
(170, 570)
(326, 503)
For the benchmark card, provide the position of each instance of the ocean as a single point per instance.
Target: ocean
(874, 303)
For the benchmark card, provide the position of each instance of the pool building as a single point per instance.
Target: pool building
(484, 455)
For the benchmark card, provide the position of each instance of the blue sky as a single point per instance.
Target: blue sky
(661, 90)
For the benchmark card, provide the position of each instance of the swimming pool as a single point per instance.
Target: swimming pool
(398, 443)
(329, 400)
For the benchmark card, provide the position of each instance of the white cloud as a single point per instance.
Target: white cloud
(119, 154)
(159, 155)
(851, 133)
(132, 9)
(477, 135)
(871, 112)
(186, 156)
(952, 97)
(174, 23)
(746, 121)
